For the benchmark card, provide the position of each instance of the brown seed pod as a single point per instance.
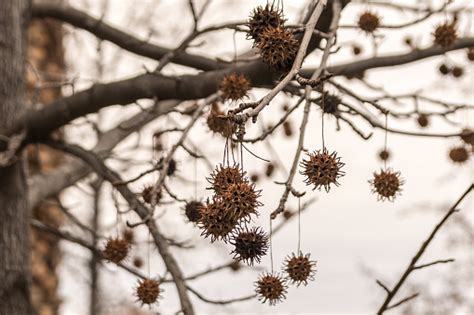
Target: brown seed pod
(220, 123)
(215, 222)
(224, 176)
(235, 266)
(147, 194)
(172, 166)
(470, 54)
(249, 245)
(270, 169)
(271, 287)
(368, 22)
(299, 268)
(445, 35)
(234, 86)
(322, 169)
(287, 214)
(408, 41)
(468, 136)
(138, 262)
(457, 71)
(287, 129)
(384, 155)
(128, 235)
(330, 103)
(459, 154)
(148, 291)
(254, 178)
(241, 201)
(444, 69)
(278, 48)
(356, 49)
(423, 120)
(116, 250)
(263, 18)
(192, 210)
(387, 184)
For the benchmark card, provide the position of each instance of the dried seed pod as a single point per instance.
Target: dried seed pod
(287, 129)
(235, 266)
(423, 120)
(459, 154)
(215, 222)
(468, 136)
(322, 169)
(356, 49)
(254, 178)
(128, 235)
(220, 123)
(249, 245)
(445, 35)
(470, 54)
(299, 268)
(387, 184)
(444, 69)
(138, 262)
(457, 71)
(241, 201)
(287, 214)
(116, 250)
(148, 291)
(234, 86)
(330, 103)
(263, 18)
(172, 166)
(147, 194)
(408, 41)
(369, 22)
(192, 210)
(270, 169)
(271, 287)
(278, 48)
(224, 176)
(384, 155)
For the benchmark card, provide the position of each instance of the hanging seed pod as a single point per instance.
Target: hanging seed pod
(138, 262)
(356, 50)
(271, 287)
(147, 194)
(278, 48)
(116, 250)
(330, 103)
(249, 245)
(468, 136)
(299, 268)
(241, 201)
(444, 69)
(254, 178)
(270, 169)
(322, 169)
(234, 86)
(384, 155)
(220, 123)
(287, 129)
(263, 18)
(368, 22)
(224, 176)
(445, 35)
(215, 222)
(459, 154)
(423, 120)
(457, 72)
(386, 184)
(148, 291)
(192, 210)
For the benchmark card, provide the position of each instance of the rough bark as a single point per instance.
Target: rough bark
(14, 244)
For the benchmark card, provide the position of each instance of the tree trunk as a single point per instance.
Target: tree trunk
(14, 216)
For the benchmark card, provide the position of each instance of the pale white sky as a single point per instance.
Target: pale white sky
(347, 231)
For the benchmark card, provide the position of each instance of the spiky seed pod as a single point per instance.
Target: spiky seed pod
(459, 154)
(254, 178)
(457, 72)
(299, 268)
(116, 250)
(271, 287)
(468, 136)
(215, 222)
(241, 200)
(423, 120)
(249, 245)
(270, 169)
(234, 86)
(470, 54)
(330, 103)
(219, 123)
(224, 176)
(445, 34)
(147, 194)
(128, 235)
(356, 50)
(386, 184)
(384, 155)
(287, 129)
(262, 18)
(148, 291)
(444, 69)
(278, 48)
(192, 210)
(369, 22)
(138, 262)
(322, 169)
